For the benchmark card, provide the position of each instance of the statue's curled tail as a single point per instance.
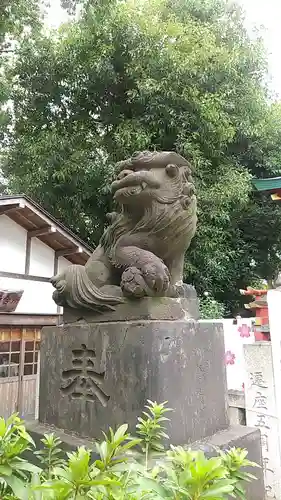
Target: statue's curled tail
(75, 289)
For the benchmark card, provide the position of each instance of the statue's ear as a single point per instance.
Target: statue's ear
(172, 170)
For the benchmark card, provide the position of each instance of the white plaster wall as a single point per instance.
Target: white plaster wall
(12, 246)
(37, 296)
(41, 259)
(63, 264)
(235, 337)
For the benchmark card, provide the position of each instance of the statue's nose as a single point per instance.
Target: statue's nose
(124, 173)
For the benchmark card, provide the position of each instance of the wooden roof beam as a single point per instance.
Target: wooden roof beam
(9, 210)
(41, 231)
(68, 251)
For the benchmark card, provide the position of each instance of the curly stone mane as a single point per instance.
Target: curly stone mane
(167, 217)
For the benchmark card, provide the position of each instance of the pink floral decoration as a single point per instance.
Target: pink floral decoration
(244, 331)
(229, 358)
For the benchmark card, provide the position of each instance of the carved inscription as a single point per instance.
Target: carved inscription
(82, 381)
(259, 389)
(260, 401)
(257, 379)
(262, 421)
(264, 442)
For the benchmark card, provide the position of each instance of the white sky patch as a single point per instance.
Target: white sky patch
(55, 14)
(267, 14)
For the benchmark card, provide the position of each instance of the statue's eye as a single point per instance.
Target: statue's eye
(172, 170)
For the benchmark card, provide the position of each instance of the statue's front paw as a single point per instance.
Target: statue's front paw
(58, 298)
(157, 277)
(59, 282)
(133, 285)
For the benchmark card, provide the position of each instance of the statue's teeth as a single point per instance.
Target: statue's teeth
(143, 185)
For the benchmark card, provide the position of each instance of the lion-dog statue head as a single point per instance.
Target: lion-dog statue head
(158, 202)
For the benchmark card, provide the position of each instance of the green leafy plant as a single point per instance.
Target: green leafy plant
(51, 453)
(151, 429)
(201, 477)
(234, 459)
(127, 468)
(75, 477)
(14, 470)
(113, 450)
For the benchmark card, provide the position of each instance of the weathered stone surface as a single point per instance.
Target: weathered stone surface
(156, 308)
(236, 403)
(178, 361)
(141, 253)
(236, 398)
(69, 442)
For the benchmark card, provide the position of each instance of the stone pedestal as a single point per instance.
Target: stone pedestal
(96, 374)
(125, 364)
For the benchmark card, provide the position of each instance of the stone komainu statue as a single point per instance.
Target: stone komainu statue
(142, 252)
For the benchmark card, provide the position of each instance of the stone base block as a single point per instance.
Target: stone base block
(239, 436)
(98, 375)
(236, 402)
(236, 436)
(156, 308)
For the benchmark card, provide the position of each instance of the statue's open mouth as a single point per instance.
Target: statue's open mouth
(134, 183)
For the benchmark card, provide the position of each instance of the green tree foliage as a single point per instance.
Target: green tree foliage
(128, 76)
(18, 19)
(210, 308)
